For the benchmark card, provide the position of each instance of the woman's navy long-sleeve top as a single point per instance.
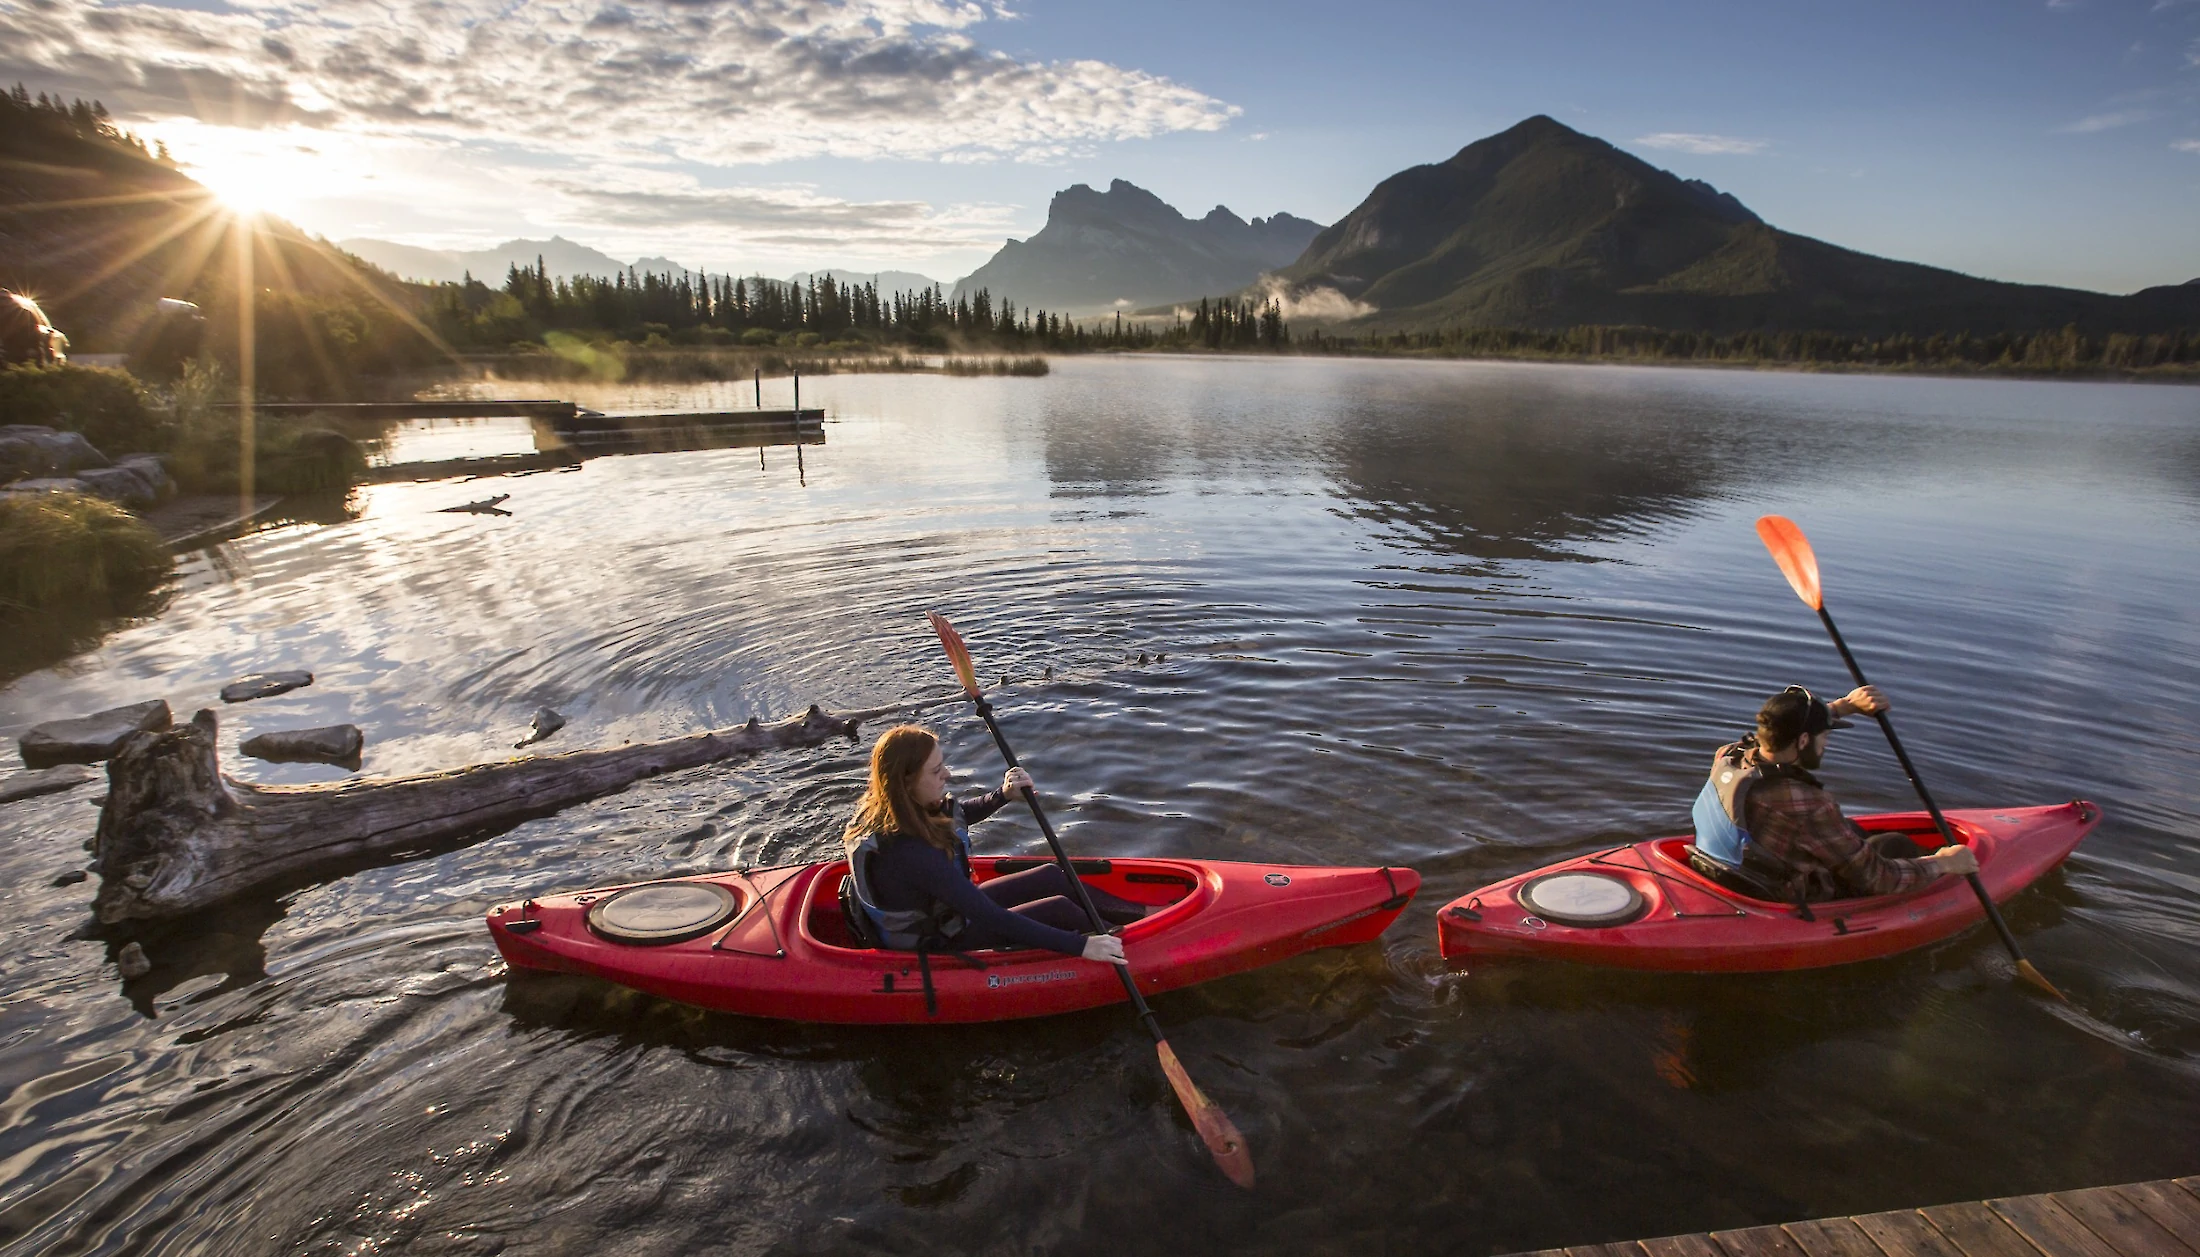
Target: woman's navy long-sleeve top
(911, 874)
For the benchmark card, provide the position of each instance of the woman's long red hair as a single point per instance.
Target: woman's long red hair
(888, 806)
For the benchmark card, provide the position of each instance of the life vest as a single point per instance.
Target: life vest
(1722, 806)
(901, 929)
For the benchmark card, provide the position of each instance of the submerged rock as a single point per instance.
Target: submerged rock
(336, 744)
(546, 723)
(133, 961)
(50, 781)
(72, 877)
(264, 685)
(486, 506)
(90, 739)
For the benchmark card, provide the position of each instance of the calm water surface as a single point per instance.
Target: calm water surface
(1468, 618)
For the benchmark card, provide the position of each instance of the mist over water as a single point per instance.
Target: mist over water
(1467, 618)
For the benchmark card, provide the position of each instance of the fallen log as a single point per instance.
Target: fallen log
(176, 836)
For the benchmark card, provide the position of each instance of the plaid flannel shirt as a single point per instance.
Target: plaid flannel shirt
(1798, 824)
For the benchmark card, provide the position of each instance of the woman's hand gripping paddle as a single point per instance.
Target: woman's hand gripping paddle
(1213, 1124)
(1799, 563)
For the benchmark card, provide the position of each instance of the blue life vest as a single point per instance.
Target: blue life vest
(1723, 803)
(902, 929)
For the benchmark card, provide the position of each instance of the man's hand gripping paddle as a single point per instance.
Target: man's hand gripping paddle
(1799, 563)
(1213, 1124)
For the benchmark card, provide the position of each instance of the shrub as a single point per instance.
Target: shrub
(108, 407)
(64, 553)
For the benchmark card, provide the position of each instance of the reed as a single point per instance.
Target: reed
(66, 554)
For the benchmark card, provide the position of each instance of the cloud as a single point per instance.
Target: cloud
(717, 83)
(2186, 146)
(1718, 145)
(780, 220)
(2105, 121)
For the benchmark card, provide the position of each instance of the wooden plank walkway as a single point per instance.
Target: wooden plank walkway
(2160, 1219)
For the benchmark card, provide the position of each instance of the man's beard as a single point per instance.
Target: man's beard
(1810, 757)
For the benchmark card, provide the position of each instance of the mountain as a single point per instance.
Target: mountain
(1125, 248)
(560, 256)
(888, 281)
(1544, 227)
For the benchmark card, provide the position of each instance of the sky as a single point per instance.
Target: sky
(2047, 141)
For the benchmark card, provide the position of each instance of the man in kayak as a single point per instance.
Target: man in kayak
(910, 888)
(1768, 828)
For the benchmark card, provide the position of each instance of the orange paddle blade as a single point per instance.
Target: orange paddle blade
(1791, 550)
(956, 651)
(1214, 1125)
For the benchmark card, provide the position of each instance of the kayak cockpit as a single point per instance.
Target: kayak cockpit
(1175, 887)
(1916, 826)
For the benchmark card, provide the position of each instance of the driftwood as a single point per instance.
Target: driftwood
(176, 836)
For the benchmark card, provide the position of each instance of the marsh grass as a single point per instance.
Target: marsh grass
(66, 554)
(1031, 365)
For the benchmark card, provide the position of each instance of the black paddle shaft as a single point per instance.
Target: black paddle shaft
(1061, 857)
(1947, 837)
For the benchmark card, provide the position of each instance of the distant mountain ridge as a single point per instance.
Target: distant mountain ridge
(1541, 226)
(1125, 248)
(561, 257)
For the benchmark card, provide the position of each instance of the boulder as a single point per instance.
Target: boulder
(90, 739)
(133, 962)
(49, 781)
(336, 744)
(264, 685)
(29, 450)
(124, 486)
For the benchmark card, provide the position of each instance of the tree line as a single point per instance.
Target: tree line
(2066, 349)
(699, 309)
(86, 120)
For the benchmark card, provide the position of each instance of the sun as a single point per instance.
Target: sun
(242, 191)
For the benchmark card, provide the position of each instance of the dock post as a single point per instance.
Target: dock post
(798, 394)
(760, 388)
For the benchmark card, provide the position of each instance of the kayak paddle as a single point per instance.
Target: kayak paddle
(1214, 1126)
(1799, 563)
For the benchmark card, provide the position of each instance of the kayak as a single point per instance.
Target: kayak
(1643, 906)
(772, 942)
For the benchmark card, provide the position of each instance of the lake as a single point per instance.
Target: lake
(1468, 618)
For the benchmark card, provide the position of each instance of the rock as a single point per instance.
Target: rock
(72, 877)
(336, 744)
(30, 450)
(46, 484)
(51, 781)
(137, 481)
(264, 685)
(89, 739)
(546, 723)
(133, 961)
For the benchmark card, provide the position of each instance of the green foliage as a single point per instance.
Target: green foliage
(994, 366)
(290, 454)
(66, 554)
(109, 407)
(2065, 351)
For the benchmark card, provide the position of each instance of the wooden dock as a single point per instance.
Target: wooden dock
(531, 408)
(2159, 1219)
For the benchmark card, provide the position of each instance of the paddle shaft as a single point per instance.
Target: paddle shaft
(1061, 857)
(1947, 837)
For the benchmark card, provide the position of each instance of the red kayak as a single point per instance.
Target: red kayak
(1643, 907)
(771, 942)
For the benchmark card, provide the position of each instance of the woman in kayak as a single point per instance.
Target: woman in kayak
(910, 886)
